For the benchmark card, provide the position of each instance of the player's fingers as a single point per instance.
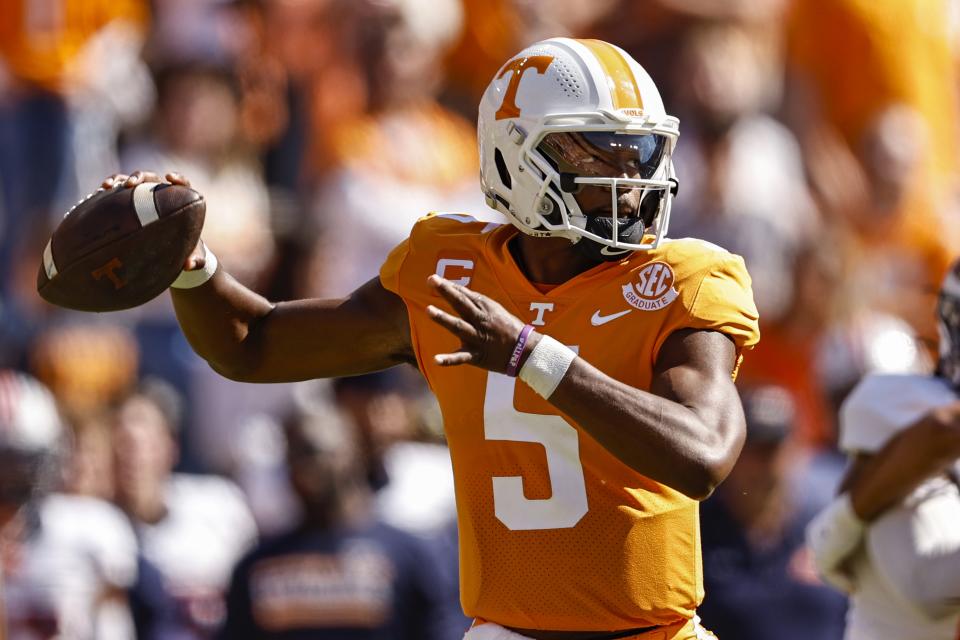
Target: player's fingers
(454, 295)
(141, 176)
(454, 359)
(457, 326)
(117, 178)
(175, 177)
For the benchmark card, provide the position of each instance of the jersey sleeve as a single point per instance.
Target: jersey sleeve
(724, 302)
(393, 265)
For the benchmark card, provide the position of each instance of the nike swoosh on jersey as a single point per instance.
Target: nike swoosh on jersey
(598, 319)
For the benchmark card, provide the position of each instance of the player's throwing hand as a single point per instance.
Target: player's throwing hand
(197, 258)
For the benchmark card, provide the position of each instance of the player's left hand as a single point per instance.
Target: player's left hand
(487, 331)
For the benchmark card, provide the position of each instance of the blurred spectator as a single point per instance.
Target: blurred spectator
(855, 70)
(191, 528)
(260, 468)
(304, 54)
(652, 31)
(741, 172)
(341, 573)
(791, 340)
(412, 478)
(197, 133)
(66, 560)
(899, 251)
(384, 175)
(89, 471)
(758, 577)
(743, 188)
(88, 366)
(196, 30)
(491, 32)
(53, 54)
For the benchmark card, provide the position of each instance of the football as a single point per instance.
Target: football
(120, 247)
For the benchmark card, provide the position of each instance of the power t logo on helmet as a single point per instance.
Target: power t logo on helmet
(517, 67)
(575, 142)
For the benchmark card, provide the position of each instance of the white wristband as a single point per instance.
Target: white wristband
(546, 366)
(195, 278)
(832, 536)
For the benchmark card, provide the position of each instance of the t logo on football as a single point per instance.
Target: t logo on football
(654, 290)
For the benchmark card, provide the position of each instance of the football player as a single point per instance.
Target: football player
(66, 561)
(892, 537)
(577, 488)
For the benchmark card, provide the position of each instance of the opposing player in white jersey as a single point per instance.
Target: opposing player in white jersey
(892, 537)
(65, 560)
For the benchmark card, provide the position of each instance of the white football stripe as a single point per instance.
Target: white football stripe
(48, 264)
(143, 202)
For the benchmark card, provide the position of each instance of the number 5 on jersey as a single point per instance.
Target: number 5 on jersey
(501, 421)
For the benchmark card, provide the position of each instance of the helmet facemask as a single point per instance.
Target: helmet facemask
(607, 177)
(607, 189)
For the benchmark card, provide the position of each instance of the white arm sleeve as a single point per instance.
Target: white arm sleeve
(833, 535)
(916, 549)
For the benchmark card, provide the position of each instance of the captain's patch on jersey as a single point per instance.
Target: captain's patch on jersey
(654, 287)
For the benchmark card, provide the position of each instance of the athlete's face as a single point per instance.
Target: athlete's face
(606, 155)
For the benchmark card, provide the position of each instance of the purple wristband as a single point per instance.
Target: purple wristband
(513, 367)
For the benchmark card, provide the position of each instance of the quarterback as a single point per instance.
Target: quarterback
(583, 362)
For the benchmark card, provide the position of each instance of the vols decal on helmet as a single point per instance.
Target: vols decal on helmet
(654, 289)
(508, 108)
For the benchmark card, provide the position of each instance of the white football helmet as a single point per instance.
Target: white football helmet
(566, 113)
(31, 434)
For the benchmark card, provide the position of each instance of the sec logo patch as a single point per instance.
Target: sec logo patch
(654, 287)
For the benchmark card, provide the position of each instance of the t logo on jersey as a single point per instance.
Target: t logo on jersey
(519, 66)
(654, 289)
(540, 308)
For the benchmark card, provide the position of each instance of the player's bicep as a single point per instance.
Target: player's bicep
(694, 368)
(366, 331)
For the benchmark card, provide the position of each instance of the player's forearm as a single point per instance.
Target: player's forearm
(920, 452)
(217, 319)
(659, 438)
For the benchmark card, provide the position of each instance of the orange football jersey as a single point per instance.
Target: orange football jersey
(555, 532)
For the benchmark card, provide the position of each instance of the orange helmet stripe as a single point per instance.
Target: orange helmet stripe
(623, 85)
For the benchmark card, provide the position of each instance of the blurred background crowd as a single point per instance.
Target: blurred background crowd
(818, 140)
